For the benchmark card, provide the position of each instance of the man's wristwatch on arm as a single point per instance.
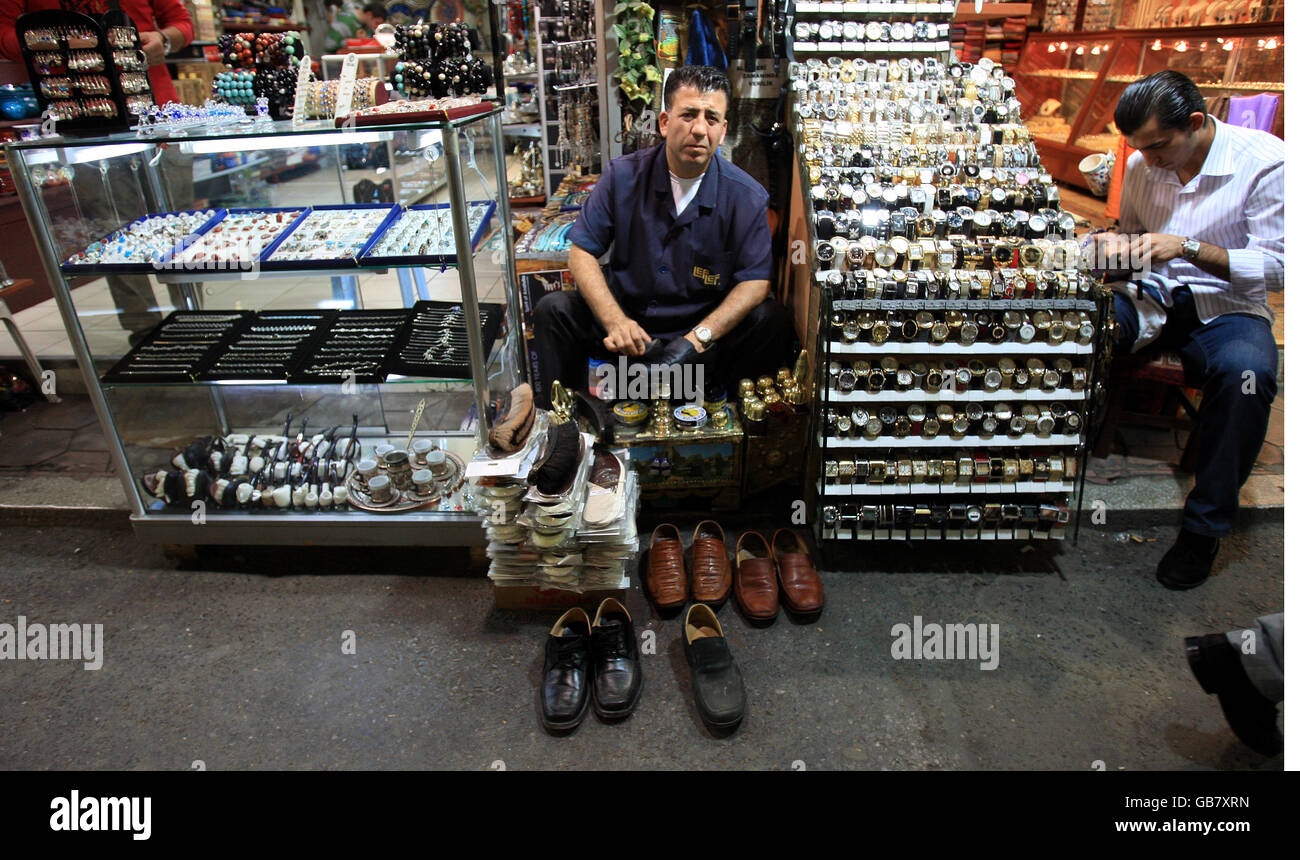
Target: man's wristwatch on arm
(1191, 249)
(704, 335)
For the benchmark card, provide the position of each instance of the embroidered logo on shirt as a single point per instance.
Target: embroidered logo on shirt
(706, 276)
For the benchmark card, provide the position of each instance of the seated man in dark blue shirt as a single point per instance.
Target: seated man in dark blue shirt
(690, 257)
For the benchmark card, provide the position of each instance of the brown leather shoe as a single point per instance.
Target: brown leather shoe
(801, 587)
(710, 564)
(757, 592)
(666, 568)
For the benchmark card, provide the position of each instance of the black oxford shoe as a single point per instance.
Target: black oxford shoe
(1188, 562)
(565, 690)
(1218, 668)
(715, 677)
(615, 664)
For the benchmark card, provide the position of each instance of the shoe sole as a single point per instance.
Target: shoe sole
(729, 725)
(1174, 585)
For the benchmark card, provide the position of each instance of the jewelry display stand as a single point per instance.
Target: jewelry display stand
(168, 399)
(958, 335)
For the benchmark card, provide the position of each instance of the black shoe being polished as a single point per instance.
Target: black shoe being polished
(715, 677)
(565, 690)
(1188, 562)
(615, 664)
(1218, 669)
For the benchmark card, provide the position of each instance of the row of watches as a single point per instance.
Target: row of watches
(893, 326)
(889, 374)
(953, 78)
(970, 467)
(945, 518)
(933, 421)
(858, 104)
(909, 249)
(903, 284)
(869, 31)
(982, 189)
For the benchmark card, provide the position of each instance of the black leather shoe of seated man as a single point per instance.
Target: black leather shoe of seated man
(1217, 667)
(1188, 562)
(715, 677)
(565, 690)
(615, 663)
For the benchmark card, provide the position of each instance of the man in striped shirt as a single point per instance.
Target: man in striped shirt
(1206, 199)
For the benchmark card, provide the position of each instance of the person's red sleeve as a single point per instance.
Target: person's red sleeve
(9, 12)
(168, 13)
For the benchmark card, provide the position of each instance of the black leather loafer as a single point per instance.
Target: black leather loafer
(615, 664)
(715, 677)
(1218, 669)
(565, 691)
(1188, 562)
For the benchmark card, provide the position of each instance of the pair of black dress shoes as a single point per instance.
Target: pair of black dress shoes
(590, 661)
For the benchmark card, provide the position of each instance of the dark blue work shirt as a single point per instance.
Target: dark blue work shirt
(669, 271)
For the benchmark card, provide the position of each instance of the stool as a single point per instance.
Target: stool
(29, 357)
(1163, 370)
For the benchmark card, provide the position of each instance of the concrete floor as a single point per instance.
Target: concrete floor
(235, 659)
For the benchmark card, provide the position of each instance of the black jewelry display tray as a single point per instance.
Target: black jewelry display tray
(301, 374)
(453, 364)
(117, 373)
(304, 348)
(456, 365)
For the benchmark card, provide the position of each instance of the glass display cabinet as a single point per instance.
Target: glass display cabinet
(296, 368)
(1069, 83)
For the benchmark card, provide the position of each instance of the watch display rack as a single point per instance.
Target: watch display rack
(294, 361)
(958, 334)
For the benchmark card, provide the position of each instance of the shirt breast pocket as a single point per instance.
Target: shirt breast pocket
(711, 271)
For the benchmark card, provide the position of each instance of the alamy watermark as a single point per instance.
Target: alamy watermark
(234, 254)
(636, 380)
(23, 641)
(131, 814)
(921, 641)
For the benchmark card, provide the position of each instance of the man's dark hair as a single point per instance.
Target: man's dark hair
(379, 10)
(706, 79)
(1171, 97)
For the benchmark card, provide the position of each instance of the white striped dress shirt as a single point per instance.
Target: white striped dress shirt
(1235, 202)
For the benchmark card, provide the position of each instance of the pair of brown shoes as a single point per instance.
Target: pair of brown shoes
(780, 572)
(710, 579)
(763, 578)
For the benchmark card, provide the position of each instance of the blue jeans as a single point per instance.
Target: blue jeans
(1234, 413)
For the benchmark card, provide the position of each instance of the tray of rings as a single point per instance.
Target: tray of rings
(393, 480)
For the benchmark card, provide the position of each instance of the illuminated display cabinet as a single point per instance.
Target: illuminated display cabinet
(1069, 82)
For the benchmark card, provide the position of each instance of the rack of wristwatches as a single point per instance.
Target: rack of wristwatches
(880, 27)
(558, 540)
(957, 329)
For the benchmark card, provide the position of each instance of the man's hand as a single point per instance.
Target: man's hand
(151, 42)
(626, 337)
(1160, 248)
(694, 341)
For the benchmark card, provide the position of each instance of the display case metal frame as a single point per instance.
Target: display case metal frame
(291, 527)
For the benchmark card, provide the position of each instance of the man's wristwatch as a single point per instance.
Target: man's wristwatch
(167, 42)
(704, 335)
(1191, 249)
